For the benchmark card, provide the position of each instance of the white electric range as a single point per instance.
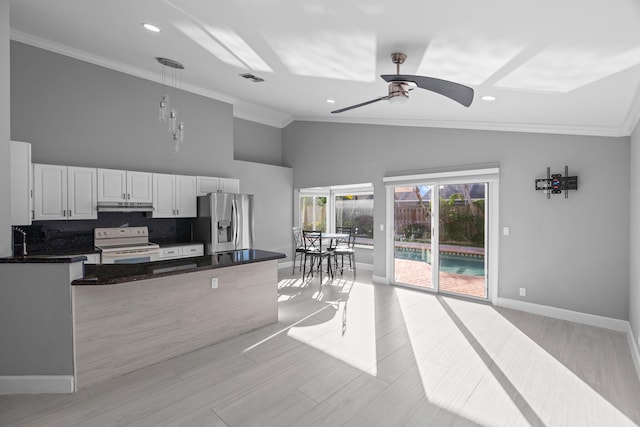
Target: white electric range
(125, 245)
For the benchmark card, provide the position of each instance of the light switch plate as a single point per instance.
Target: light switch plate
(214, 283)
(506, 231)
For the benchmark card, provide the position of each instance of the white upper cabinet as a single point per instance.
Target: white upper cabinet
(229, 185)
(124, 186)
(21, 183)
(186, 202)
(164, 195)
(174, 196)
(64, 192)
(209, 184)
(139, 187)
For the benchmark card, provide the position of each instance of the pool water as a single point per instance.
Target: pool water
(449, 263)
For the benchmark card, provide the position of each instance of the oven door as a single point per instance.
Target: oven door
(124, 256)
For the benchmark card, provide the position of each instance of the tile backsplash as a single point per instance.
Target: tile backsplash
(45, 236)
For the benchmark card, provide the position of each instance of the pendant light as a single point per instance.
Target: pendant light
(168, 106)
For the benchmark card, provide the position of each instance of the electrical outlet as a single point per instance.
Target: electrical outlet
(523, 292)
(214, 283)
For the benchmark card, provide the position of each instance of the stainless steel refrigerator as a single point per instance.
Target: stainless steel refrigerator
(224, 222)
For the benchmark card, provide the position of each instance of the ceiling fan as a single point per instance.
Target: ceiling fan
(401, 84)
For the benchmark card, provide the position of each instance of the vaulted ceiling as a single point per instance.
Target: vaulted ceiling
(563, 67)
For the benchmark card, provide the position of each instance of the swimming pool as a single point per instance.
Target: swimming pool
(449, 263)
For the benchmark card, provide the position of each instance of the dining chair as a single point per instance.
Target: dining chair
(298, 248)
(346, 249)
(315, 251)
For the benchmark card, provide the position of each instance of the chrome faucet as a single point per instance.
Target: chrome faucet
(24, 240)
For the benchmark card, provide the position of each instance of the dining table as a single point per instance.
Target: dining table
(333, 240)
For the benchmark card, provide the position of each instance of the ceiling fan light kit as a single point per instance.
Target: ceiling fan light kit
(401, 84)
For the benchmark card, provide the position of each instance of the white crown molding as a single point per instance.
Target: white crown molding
(36, 384)
(610, 131)
(242, 109)
(255, 113)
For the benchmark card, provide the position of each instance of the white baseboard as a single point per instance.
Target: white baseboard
(286, 264)
(36, 384)
(563, 314)
(381, 280)
(633, 346)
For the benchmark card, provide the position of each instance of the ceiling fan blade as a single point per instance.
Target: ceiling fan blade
(459, 93)
(360, 105)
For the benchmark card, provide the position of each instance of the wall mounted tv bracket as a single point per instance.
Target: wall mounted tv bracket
(554, 184)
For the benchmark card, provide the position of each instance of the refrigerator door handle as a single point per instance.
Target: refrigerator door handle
(236, 223)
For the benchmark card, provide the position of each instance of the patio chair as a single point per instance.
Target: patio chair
(314, 251)
(346, 249)
(298, 248)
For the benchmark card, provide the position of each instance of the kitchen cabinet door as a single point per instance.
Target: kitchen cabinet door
(206, 185)
(229, 185)
(186, 203)
(139, 187)
(81, 194)
(21, 183)
(50, 192)
(164, 195)
(112, 185)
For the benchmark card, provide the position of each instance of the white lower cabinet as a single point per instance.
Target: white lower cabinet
(174, 196)
(64, 192)
(185, 251)
(92, 258)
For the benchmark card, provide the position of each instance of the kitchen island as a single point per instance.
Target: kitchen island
(124, 317)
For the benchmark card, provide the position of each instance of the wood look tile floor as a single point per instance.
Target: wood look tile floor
(357, 354)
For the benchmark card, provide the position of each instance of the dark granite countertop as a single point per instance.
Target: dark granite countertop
(110, 274)
(56, 256)
(43, 259)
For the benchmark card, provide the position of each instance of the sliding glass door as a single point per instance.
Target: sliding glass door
(440, 231)
(412, 231)
(461, 239)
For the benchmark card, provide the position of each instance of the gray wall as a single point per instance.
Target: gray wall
(255, 142)
(272, 188)
(35, 312)
(634, 234)
(75, 113)
(5, 126)
(570, 254)
(80, 114)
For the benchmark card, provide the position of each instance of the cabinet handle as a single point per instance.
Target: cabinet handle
(69, 213)
(124, 196)
(128, 196)
(64, 212)
(177, 211)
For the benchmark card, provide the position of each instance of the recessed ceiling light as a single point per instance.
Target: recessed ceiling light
(488, 98)
(151, 27)
(331, 101)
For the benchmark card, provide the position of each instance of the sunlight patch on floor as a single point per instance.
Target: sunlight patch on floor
(346, 331)
(474, 367)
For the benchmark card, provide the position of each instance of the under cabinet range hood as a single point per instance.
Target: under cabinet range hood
(124, 207)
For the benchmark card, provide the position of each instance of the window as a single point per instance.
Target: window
(324, 209)
(356, 210)
(313, 212)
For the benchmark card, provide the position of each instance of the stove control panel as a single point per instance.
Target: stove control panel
(121, 232)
